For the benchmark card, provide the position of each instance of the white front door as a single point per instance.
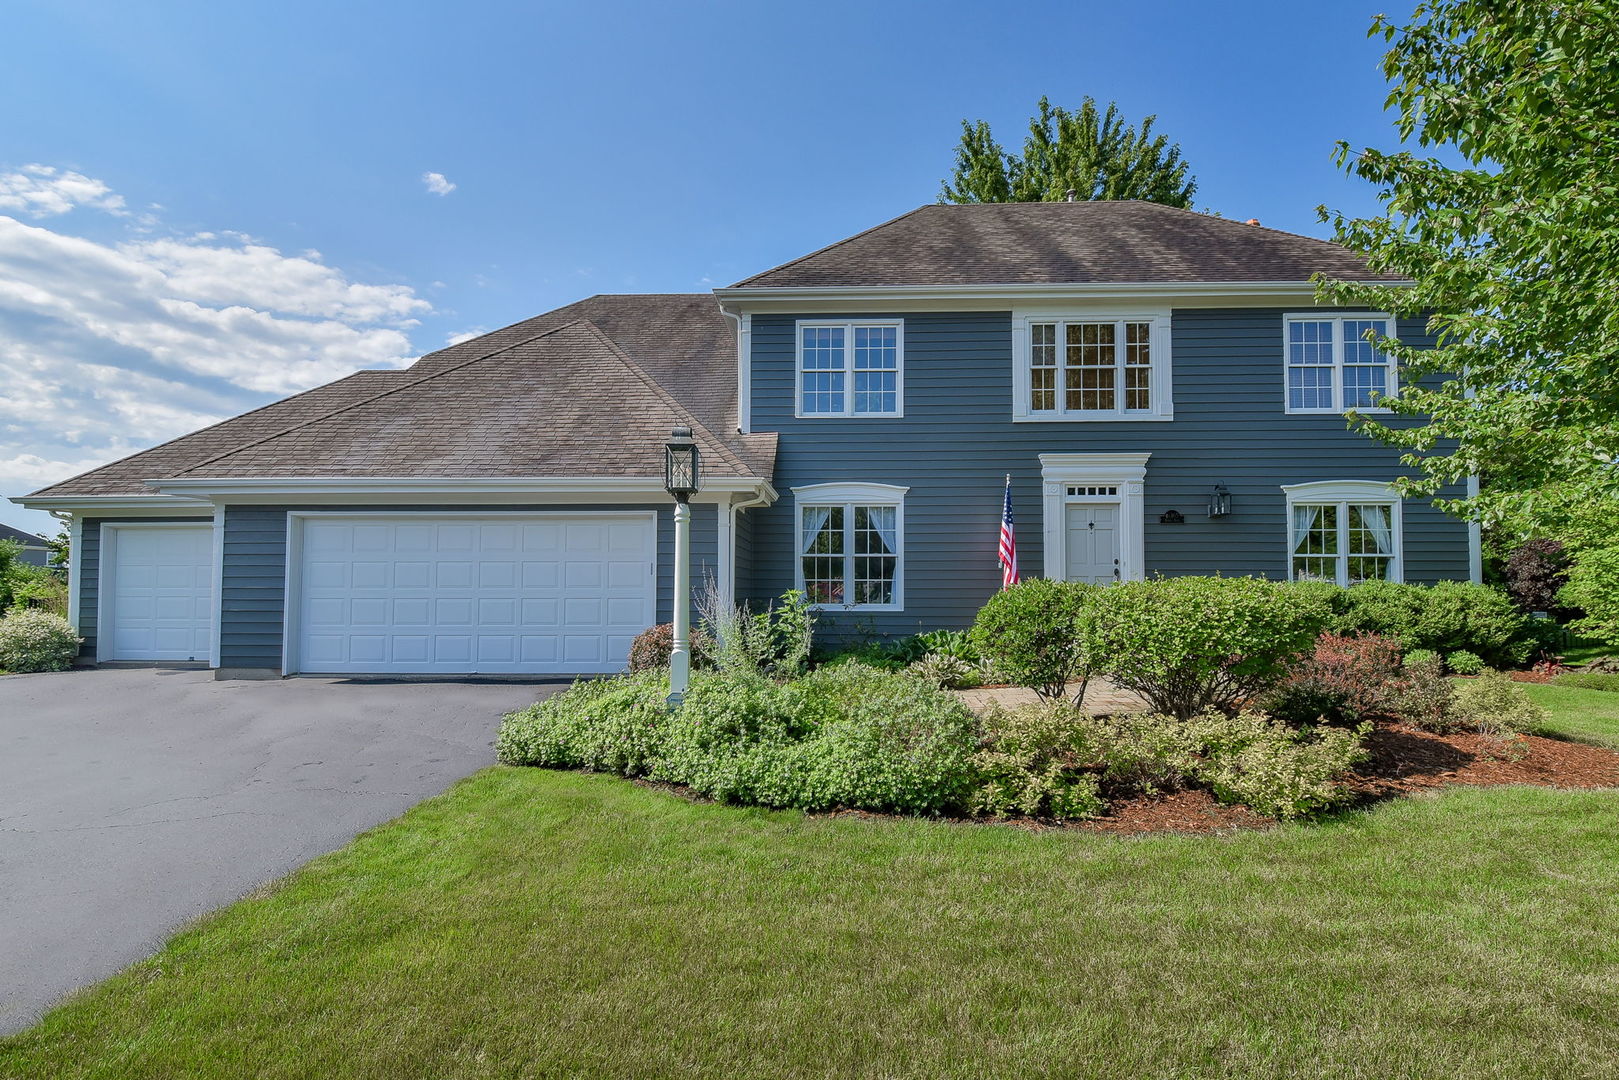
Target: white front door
(157, 593)
(542, 593)
(1093, 542)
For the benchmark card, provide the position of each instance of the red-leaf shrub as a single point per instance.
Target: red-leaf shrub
(652, 647)
(1348, 677)
(1534, 572)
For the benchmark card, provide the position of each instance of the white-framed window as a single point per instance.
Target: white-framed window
(1092, 367)
(851, 367)
(851, 546)
(1331, 366)
(1344, 531)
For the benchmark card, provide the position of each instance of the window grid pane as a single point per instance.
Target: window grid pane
(1309, 358)
(1365, 368)
(853, 558)
(822, 380)
(1043, 369)
(1090, 376)
(1137, 366)
(823, 558)
(876, 369)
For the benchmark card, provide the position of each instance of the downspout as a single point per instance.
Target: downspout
(744, 373)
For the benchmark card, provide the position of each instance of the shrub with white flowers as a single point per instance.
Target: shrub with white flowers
(34, 640)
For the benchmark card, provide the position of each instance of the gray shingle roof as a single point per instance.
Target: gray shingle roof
(556, 395)
(26, 539)
(1063, 243)
(564, 402)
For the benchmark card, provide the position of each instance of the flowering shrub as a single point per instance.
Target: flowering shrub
(36, 640)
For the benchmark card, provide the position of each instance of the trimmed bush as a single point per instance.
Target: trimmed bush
(1496, 705)
(1191, 644)
(1593, 587)
(35, 640)
(1260, 762)
(1463, 662)
(1589, 680)
(1031, 763)
(651, 647)
(1032, 634)
(1450, 616)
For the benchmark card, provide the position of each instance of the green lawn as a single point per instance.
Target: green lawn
(533, 923)
(1590, 716)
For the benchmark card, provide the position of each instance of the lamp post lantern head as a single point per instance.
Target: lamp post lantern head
(1220, 501)
(681, 477)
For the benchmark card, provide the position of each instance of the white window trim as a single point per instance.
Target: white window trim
(1162, 389)
(1127, 473)
(848, 496)
(848, 413)
(1344, 493)
(1337, 317)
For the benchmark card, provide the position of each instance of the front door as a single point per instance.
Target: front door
(1093, 542)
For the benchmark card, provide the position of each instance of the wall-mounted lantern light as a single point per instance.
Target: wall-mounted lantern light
(1219, 502)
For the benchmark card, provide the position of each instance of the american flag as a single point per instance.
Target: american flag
(1008, 541)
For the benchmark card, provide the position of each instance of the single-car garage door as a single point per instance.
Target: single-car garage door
(156, 592)
(455, 593)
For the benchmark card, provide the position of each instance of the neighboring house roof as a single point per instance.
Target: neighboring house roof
(591, 389)
(26, 539)
(1052, 243)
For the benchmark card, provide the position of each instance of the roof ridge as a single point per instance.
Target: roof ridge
(1234, 221)
(646, 377)
(838, 244)
(222, 423)
(377, 397)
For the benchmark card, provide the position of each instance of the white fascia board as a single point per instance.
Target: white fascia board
(122, 505)
(582, 489)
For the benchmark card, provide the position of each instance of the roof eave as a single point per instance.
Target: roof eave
(499, 489)
(1028, 291)
(122, 504)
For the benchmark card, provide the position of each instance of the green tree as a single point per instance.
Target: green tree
(1511, 241)
(1091, 152)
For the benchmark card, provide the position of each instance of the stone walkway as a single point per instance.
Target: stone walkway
(1100, 697)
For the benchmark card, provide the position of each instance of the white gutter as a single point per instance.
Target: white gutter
(450, 490)
(119, 504)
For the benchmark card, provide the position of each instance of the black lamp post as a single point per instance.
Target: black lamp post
(681, 478)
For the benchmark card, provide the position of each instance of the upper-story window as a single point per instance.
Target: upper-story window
(853, 368)
(1331, 366)
(1093, 368)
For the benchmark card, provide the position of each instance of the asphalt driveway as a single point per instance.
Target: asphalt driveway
(134, 800)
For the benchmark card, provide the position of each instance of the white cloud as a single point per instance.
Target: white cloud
(465, 335)
(437, 184)
(107, 348)
(42, 191)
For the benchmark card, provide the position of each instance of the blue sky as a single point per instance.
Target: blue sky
(207, 206)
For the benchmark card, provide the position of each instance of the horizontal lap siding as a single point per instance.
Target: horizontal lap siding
(254, 592)
(956, 443)
(89, 559)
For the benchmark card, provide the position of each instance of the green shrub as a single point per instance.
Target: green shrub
(1418, 657)
(1032, 635)
(1142, 753)
(605, 725)
(1260, 762)
(30, 586)
(947, 672)
(775, 641)
(842, 736)
(957, 644)
(1427, 699)
(1303, 700)
(1593, 587)
(1589, 680)
(1496, 705)
(1191, 644)
(1031, 762)
(1463, 662)
(1450, 616)
(36, 640)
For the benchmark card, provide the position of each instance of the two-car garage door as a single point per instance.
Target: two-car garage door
(543, 593)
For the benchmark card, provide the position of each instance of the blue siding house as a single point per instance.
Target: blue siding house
(1158, 387)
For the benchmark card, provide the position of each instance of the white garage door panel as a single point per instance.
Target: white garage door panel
(158, 593)
(561, 594)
